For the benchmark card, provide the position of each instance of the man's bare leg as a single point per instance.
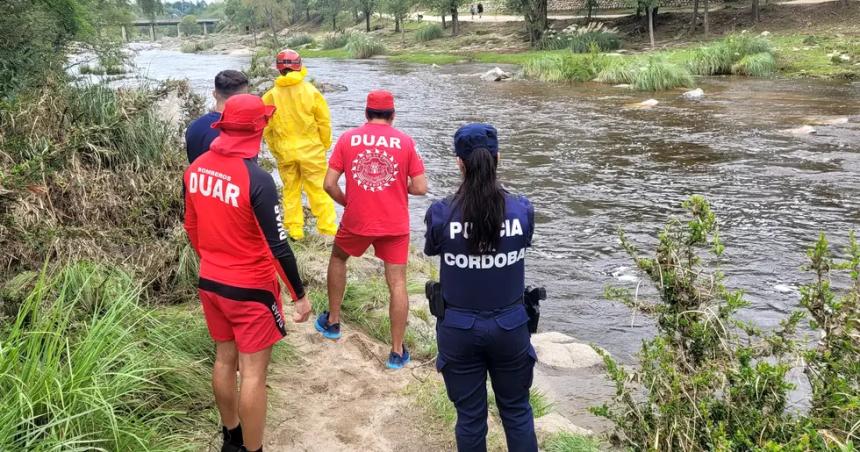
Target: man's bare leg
(224, 383)
(336, 281)
(398, 309)
(252, 396)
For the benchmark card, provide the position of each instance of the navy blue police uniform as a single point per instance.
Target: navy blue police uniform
(484, 329)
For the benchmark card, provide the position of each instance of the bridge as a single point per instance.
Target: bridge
(167, 22)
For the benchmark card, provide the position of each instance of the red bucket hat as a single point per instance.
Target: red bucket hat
(244, 113)
(380, 100)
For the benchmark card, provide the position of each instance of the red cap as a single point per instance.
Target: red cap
(380, 100)
(244, 113)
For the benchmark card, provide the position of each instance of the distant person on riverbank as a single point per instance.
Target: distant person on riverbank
(472, 10)
(482, 232)
(232, 219)
(480, 10)
(200, 133)
(382, 168)
(299, 135)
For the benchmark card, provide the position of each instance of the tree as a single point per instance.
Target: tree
(150, 8)
(329, 10)
(240, 14)
(589, 5)
(695, 17)
(755, 11)
(399, 9)
(535, 14)
(189, 26)
(367, 7)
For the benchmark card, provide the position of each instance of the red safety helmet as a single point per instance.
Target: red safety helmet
(288, 59)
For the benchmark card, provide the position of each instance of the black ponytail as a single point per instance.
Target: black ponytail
(481, 200)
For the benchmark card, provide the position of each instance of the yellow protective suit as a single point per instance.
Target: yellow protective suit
(299, 134)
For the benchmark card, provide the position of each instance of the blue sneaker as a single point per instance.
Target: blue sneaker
(396, 361)
(328, 331)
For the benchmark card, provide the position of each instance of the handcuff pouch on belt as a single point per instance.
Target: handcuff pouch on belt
(531, 299)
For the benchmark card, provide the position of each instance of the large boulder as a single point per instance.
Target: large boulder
(495, 75)
(562, 351)
(554, 423)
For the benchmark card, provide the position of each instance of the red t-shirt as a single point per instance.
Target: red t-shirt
(378, 161)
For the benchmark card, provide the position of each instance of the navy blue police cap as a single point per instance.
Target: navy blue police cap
(476, 136)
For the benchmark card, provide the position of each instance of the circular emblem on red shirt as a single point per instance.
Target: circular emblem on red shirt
(374, 170)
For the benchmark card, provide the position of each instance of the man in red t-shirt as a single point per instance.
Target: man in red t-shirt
(382, 168)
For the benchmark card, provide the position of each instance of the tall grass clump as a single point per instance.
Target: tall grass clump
(568, 67)
(197, 46)
(569, 442)
(300, 40)
(620, 71)
(362, 46)
(718, 58)
(756, 65)
(84, 366)
(335, 40)
(660, 75)
(429, 32)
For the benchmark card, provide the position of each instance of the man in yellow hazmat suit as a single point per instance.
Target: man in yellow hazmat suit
(299, 134)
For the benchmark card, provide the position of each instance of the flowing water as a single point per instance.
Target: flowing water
(591, 164)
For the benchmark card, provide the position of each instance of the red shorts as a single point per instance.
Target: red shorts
(254, 318)
(392, 249)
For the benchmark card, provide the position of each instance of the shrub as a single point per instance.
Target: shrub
(659, 75)
(709, 381)
(189, 26)
(335, 40)
(756, 65)
(429, 32)
(299, 40)
(362, 45)
(582, 43)
(580, 39)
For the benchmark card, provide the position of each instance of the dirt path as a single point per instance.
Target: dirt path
(340, 397)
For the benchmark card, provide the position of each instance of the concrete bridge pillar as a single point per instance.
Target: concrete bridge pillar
(152, 32)
(124, 34)
(178, 30)
(205, 29)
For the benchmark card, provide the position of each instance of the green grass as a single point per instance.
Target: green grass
(429, 32)
(660, 75)
(718, 58)
(86, 69)
(755, 65)
(566, 67)
(340, 53)
(362, 46)
(85, 366)
(801, 55)
(569, 442)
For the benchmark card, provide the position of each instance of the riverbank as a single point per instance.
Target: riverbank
(809, 41)
(120, 274)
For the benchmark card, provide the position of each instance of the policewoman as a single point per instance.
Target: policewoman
(481, 234)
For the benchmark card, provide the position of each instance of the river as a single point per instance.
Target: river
(592, 165)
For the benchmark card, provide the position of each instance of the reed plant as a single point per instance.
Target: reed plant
(335, 40)
(363, 46)
(429, 32)
(85, 366)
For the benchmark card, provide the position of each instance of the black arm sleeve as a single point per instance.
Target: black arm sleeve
(267, 209)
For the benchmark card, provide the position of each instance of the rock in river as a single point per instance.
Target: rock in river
(554, 423)
(694, 94)
(495, 75)
(562, 351)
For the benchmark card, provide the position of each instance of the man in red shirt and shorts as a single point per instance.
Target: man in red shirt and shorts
(233, 218)
(382, 168)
